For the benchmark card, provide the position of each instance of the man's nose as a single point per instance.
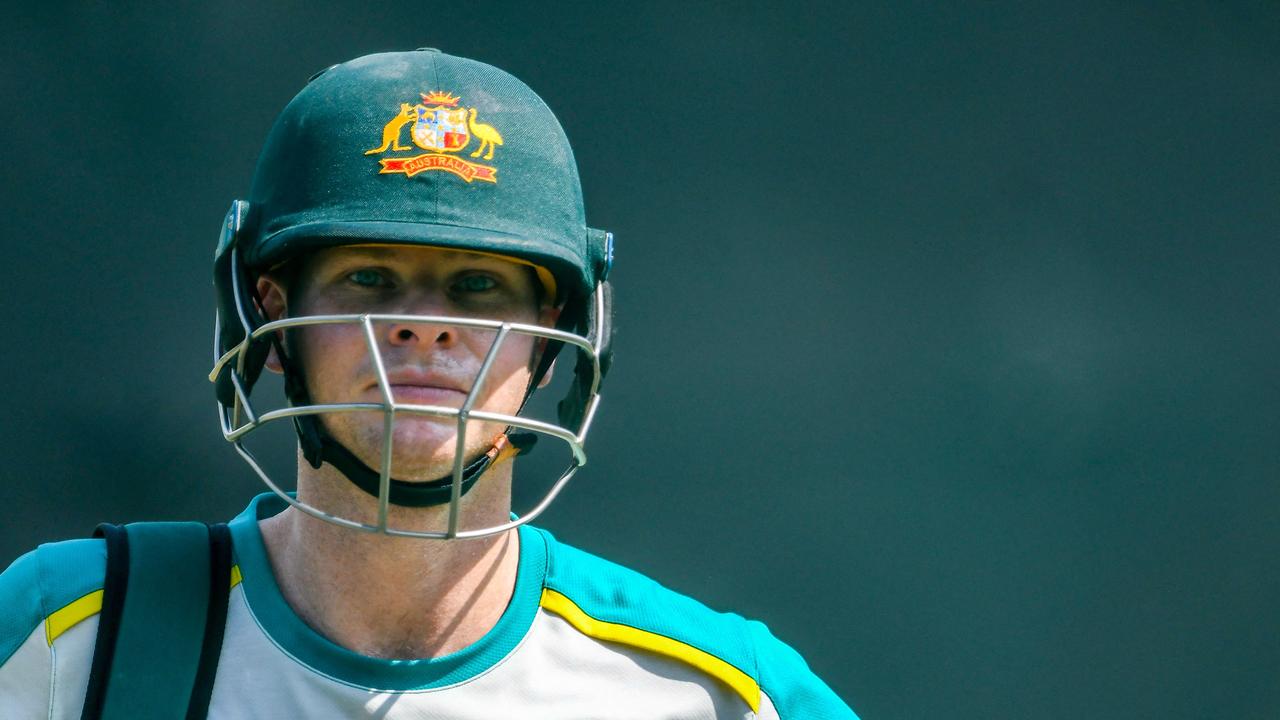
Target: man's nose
(416, 333)
(424, 332)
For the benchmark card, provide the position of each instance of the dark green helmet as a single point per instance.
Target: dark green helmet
(418, 148)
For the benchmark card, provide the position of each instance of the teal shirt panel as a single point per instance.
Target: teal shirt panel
(44, 581)
(612, 593)
(786, 678)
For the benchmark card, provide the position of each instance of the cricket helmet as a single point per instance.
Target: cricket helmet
(413, 148)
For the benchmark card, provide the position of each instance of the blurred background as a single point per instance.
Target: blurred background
(947, 333)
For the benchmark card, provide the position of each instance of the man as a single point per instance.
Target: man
(411, 260)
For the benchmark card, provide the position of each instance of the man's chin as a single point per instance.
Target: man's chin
(423, 448)
(424, 467)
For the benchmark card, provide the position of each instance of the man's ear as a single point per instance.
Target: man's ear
(272, 296)
(548, 315)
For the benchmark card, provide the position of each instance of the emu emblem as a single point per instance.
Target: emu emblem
(438, 125)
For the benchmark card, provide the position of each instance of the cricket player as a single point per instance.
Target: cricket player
(412, 259)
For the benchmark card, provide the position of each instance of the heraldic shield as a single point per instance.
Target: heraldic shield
(440, 128)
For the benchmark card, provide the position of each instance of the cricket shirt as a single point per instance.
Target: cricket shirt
(580, 638)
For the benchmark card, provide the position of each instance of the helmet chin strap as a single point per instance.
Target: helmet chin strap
(319, 447)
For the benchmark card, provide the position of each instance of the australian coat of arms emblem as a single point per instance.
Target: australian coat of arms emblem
(439, 125)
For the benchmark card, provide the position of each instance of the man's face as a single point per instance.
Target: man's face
(427, 363)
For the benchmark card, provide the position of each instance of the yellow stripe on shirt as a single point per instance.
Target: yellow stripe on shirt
(740, 682)
(71, 614)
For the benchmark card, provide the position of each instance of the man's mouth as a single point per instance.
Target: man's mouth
(426, 395)
(423, 388)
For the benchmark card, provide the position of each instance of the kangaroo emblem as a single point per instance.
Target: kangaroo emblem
(391, 132)
(488, 136)
(442, 127)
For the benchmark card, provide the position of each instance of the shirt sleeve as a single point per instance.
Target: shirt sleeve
(790, 689)
(26, 657)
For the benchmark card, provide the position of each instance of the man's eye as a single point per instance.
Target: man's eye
(475, 283)
(367, 278)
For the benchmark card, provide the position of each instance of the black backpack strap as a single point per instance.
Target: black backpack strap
(215, 620)
(113, 589)
(163, 614)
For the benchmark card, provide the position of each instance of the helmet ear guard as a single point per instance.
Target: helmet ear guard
(591, 316)
(237, 316)
(576, 408)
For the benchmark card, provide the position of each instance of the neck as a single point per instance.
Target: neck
(394, 597)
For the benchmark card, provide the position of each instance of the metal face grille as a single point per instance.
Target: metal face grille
(240, 419)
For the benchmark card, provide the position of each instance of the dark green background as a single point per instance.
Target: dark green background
(947, 332)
